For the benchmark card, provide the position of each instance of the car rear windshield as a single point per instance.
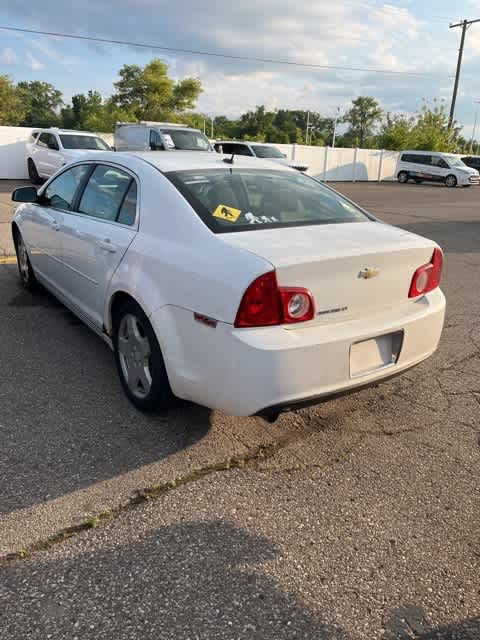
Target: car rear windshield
(232, 200)
(186, 140)
(83, 142)
(264, 151)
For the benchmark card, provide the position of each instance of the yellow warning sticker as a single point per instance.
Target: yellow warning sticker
(226, 213)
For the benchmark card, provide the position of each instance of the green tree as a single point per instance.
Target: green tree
(84, 108)
(150, 94)
(42, 103)
(12, 109)
(363, 117)
(396, 132)
(431, 132)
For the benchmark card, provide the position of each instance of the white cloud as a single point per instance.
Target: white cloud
(375, 34)
(53, 53)
(33, 63)
(8, 56)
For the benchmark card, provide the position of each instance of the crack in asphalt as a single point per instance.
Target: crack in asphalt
(256, 460)
(248, 461)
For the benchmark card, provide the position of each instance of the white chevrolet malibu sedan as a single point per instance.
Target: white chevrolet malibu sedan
(232, 282)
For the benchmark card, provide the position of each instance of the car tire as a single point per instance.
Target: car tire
(402, 177)
(139, 360)
(33, 173)
(451, 180)
(25, 269)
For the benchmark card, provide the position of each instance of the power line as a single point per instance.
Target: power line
(212, 54)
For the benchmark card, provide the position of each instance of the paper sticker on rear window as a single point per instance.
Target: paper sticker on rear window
(225, 212)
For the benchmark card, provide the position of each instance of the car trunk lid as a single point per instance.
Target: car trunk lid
(352, 269)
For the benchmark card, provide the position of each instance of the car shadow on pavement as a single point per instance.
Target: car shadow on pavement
(182, 581)
(193, 580)
(65, 422)
(454, 236)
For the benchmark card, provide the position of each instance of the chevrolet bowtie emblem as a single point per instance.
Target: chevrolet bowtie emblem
(368, 272)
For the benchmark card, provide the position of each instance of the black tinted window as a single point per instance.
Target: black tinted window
(105, 191)
(129, 207)
(83, 142)
(43, 140)
(155, 141)
(60, 193)
(417, 158)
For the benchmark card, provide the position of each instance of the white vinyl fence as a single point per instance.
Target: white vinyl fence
(323, 162)
(343, 164)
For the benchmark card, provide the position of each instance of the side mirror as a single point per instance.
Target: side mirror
(25, 194)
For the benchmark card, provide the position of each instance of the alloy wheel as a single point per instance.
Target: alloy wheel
(134, 352)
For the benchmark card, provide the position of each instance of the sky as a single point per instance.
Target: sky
(405, 36)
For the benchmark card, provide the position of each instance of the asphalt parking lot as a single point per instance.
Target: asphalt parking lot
(356, 519)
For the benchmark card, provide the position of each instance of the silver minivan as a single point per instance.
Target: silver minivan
(159, 136)
(435, 166)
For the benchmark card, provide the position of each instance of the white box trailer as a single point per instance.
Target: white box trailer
(159, 136)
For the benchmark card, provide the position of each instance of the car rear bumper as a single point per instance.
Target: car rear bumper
(249, 371)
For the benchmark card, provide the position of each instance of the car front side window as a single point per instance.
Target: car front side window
(52, 143)
(60, 193)
(43, 140)
(105, 193)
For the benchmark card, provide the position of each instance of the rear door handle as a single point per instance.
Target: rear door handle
(107, 245)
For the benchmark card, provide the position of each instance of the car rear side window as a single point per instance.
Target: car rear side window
(105, 193)
(416, 158)
(233, 200)
(128, 210)
(60, 193)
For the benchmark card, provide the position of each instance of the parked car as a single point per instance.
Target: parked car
(48, 150)
(472, 161)
(434, 166)
(257, 150)
(159, 136)
(245, 287)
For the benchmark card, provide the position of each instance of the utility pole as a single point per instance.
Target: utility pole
(477, 102)
(308, 127)
(337, 115)
(465, 24)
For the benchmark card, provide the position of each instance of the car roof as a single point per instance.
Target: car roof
(72, 131)
(429, 153)
(166, 161)
(173, 126)
(253, 144)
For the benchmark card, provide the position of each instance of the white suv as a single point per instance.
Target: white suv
(50, 149)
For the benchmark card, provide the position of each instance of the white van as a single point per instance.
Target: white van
(435, 166)
(159, 136)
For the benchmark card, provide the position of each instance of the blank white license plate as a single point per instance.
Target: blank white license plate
(369, 355)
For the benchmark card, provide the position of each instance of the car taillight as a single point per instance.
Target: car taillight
(427, 277)
(264, 304)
